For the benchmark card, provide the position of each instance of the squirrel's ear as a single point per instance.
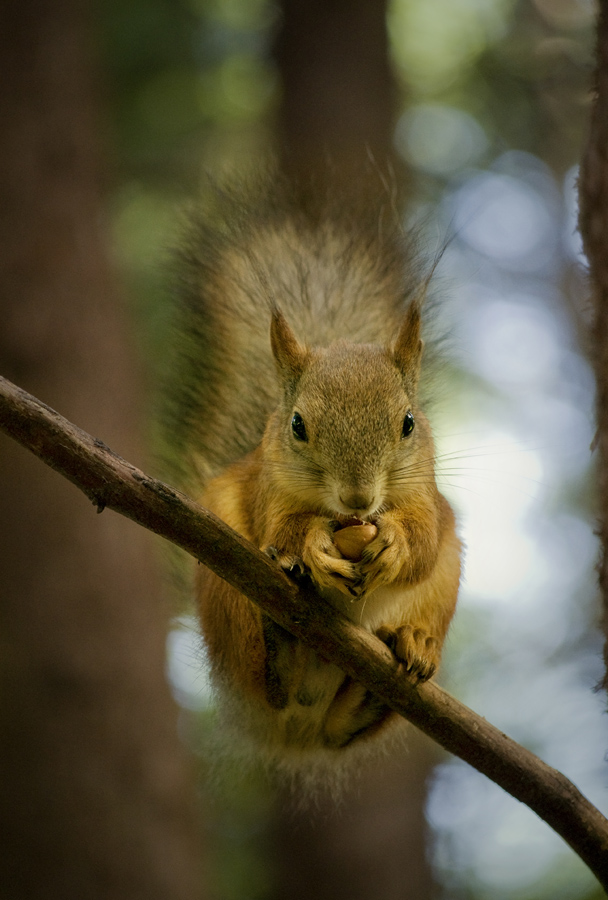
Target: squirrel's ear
(407, 350)
(288, 352)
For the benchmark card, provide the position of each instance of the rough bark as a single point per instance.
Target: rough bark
(594, 228)
(111, 482)
(95, 793)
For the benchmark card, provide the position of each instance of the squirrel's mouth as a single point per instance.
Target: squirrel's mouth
(347, 521)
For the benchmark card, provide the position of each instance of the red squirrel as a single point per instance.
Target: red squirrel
(302, 417)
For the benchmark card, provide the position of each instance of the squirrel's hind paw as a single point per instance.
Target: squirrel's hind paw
(418, 650)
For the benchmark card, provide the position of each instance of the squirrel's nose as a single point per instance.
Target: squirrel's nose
(357, 500)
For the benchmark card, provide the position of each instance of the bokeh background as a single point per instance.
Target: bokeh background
(493, 98)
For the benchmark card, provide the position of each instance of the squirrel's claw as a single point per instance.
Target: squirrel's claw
(414, 647)
(384, 558)
(354, 589)
(293, 566)
(388, 636)
(339, 581)
(328, 568)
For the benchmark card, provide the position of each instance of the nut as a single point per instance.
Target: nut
(352, 540)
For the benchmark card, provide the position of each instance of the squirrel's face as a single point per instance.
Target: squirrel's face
(351, 439)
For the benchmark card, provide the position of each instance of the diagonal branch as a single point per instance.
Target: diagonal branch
(110, 481)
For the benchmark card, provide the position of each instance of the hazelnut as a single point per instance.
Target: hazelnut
(352, 540)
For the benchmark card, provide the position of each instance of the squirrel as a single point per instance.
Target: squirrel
(299, 416)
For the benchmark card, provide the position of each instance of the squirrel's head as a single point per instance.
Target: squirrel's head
(349, 438)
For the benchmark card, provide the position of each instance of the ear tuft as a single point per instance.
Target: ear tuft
(289, 354)
(407, 350)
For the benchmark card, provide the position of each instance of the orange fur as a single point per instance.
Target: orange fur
(406, 583)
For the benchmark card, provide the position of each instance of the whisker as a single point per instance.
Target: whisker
(462, 487)
(362, 610)
(473, 453)
(473, 472)
(409, 483)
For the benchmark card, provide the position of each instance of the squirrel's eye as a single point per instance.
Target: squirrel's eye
(298, 427)
(408, 425)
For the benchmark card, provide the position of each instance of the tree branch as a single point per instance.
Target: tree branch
(110, 481)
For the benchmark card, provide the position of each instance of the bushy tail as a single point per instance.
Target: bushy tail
(338, 266)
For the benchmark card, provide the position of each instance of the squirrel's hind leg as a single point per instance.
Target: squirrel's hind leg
(279, 662)
(354, 712)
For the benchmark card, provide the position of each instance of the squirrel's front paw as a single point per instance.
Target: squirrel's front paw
(384, 558)
(327, 566)
(415, 647)
(292, 565)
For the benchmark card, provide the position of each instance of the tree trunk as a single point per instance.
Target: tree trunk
(370, 846)
(95, 795)
(594, 228)
(338, 90)
(336, 121)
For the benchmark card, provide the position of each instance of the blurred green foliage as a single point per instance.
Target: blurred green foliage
(521, 68)
(191, 91)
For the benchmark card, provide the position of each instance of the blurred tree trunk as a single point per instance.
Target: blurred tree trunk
(339, 94)
(369, 846)
(95, 795)
(338, 106)
(594, 228)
